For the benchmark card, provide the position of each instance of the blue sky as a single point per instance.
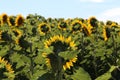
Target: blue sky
(101, 9)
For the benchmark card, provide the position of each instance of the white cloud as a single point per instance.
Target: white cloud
(110, 14)
(95, 1)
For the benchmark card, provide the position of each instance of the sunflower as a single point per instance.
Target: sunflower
(86, 30)
(76, 26)
(19, 20)
(92, 21)
(113, 25)
(68, 64)
(106, 33)
(61, 41)
(51, 61)
(4, 18)
(11, 21)
(4, 36)
(62, 25)
(6, 69)
(43, 28)
(60, 44)
(108, 22)
(17, 34)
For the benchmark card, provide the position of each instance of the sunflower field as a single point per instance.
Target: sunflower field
(36, 48)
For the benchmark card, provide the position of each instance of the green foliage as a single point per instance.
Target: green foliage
(85, 51)
(81, 74)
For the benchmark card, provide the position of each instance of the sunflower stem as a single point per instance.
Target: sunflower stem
(59, 72)
(31, 59)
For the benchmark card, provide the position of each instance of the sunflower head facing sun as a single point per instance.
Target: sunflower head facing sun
(19, 20)
(5, 67)
(86, 30)
(62, 25)
(11, 20)
(60, 44)
(43, 28)
(68, 64)
(3, 18)
(106, 33)
(76, 26)
(17, 34)
(92, 21)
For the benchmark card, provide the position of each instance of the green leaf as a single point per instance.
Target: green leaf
(47, 76)
(107, 75)
(81, 74)
(3, 50)
(68, 54)
(39, 59)
(26, 59)
(37, 74)
(17, 58)
(19, 64)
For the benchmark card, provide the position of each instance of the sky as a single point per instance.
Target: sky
(102, 9)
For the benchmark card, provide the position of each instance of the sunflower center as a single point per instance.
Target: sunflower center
(93, 22)
(16, 33)
(20, 21)
(5, 18)
(107, 32)
(76, 27)
(85, 31)
(5, 36)
(59, 46)
(44, 28)
(63, 25)
(12, 21)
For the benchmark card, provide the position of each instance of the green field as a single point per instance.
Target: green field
(39, 48)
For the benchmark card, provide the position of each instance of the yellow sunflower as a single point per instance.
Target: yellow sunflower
(51, 61)
(62, 25)
(4, 18)
(69, 64)
(113, 25)
(43, 28)
(106, 33)
(76, 26)
(8, 71)
(11, 21)
(60, 40)
(3, 36)
(19, 20)
(92, 21)
(60, 44)
(86, 30)
(108, 22)
(17, 34)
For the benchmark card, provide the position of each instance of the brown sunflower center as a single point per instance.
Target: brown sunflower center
(5, 18)
(76, 27)
(63, 25)
(44, 28)
(93, 22)
(16, 33)
(107, 32)
(59, 46)
(20, 21)
(12, 21)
